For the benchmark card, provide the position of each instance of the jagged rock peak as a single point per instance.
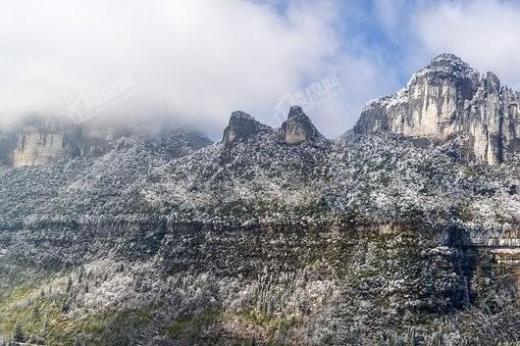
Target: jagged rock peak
(242, 126)
(449, 62)
(241, 115)
(491, 82)
(295, 111)
(299, 128)
(448, 67)
(448, 59)
(448, 98)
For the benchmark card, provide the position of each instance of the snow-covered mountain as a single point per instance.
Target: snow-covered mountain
(449, 98)
(403, 231)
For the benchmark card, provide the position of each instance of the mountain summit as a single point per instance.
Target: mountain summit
(449, 98)
(298, 128)
(242, 126)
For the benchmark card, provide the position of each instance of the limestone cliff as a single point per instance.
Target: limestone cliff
(37, 141)
(36, 147)
(447, 98)
(42, 141)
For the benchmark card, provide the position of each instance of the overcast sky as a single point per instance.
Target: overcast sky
(195, 61)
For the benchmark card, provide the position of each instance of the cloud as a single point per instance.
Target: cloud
(389, 12)
(194, 61)
(483, 32)
(362, 77)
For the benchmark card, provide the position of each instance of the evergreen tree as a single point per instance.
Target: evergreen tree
(18, 334)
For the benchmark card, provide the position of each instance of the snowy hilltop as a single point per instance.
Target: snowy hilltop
(449, 98)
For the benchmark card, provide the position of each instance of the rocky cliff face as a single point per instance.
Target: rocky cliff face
(446, 99)
(35, 142)
(298, 128)
(38, 141)
(242, 126)
(38, 147)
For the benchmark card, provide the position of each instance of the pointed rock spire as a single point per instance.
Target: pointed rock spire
(491, 82)
(298, 127)
(241, 126)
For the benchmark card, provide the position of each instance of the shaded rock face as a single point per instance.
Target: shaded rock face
(241, 126)
(298, 128)
(7, 145)
(38, 141)
(36, 147)
(447, 98)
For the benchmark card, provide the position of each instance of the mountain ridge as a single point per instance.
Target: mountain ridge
(273, 236)
(447, 98)
(444, 99)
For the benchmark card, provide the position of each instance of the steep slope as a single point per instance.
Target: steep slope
(259, 176)
(91, 184)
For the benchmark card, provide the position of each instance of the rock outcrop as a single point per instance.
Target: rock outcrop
(447, 98)
(241, 126)
(36, 148)
(42, 141)
(39, 141)
(298, 128)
